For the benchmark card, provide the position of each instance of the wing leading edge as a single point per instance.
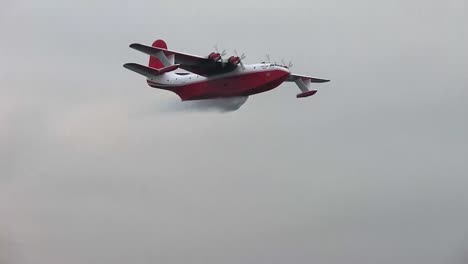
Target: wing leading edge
(294, 77)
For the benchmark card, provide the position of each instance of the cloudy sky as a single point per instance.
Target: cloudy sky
(96, 168)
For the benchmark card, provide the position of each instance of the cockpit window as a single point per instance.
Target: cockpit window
(279, 65)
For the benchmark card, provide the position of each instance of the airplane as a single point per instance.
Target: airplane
(211, 76)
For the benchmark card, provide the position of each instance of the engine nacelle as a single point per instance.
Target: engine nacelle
(214, 56)
(234, 60)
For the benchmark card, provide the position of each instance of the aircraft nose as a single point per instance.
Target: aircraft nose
(283, 72)
(283, 69)
(280, 74)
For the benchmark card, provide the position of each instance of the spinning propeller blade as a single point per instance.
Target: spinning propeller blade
(241, 57)
(221, 54)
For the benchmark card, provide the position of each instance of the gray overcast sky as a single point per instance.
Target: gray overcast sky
(372, 169)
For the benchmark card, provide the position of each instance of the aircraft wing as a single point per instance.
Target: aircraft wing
(303, 82)
(294, 77)
(193, 63)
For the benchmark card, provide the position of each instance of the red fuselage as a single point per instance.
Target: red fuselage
(253, 79)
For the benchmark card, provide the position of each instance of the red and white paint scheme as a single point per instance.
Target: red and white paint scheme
(212, 77)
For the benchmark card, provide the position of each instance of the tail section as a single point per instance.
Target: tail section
(162, 60)
(150, 72)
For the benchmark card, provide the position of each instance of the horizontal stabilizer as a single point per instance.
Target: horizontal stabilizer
(148, 71)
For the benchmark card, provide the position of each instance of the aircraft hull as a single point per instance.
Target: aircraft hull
(243, 84)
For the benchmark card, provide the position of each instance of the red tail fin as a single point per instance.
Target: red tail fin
(153, 61)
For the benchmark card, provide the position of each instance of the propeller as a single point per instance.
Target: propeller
(241, 57)
(290, 64)
(221, 54)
